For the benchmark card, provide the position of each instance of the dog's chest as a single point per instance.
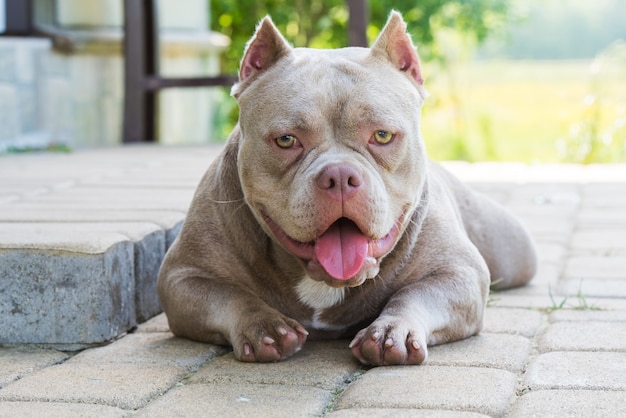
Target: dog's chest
(319, 297)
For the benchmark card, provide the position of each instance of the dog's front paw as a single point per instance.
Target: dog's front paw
(388, 342)
(269, 340)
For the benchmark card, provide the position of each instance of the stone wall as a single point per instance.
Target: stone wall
(21, 89)
(76, 98)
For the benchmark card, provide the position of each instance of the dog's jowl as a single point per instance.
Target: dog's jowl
(324, 218)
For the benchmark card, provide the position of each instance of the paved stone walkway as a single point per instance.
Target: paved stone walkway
(555, 348)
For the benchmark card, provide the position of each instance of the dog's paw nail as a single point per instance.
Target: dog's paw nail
(375, 336)
(268, 340)
(282, 331)
(389, 343)
(301, 330)
(354, 343)
(247, 349)
(415, 345)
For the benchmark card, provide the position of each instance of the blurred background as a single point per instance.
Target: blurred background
(516, 80)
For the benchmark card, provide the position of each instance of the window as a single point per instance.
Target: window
(2, 17)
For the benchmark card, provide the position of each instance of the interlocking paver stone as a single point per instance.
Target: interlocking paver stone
(556, 231)
(239, 400)
(606, 199)
(588, 288)
(514, 299)
(570, 403)
(501, 351)
(58, 409)
(588, 315)
(550, 252)
(128, 387)
(605, 218)
(547, 276)
(151, 348)
(483, 390)
(563, 194)
(156, 324)
(106, 217)
(600, 242)
(523, 322)
(577, 370)
(17, 362)
(326, 365)
(584, 336)
(584, 268)
(593, 287)
(402, 413)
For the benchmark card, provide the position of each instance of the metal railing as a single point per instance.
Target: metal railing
(142, 81)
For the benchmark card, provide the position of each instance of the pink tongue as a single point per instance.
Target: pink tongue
(342, 249)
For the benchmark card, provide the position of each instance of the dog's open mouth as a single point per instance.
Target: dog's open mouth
(342, 250)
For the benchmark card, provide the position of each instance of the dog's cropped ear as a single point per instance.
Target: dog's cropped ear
(394, 44)
(265, 48)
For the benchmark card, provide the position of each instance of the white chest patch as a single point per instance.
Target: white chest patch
(319, 295)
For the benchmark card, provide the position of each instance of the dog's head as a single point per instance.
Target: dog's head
(330, 159)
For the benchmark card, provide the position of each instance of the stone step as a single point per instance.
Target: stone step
(82, 237)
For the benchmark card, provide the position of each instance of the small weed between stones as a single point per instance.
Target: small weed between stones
(583, 305)
(490, 299)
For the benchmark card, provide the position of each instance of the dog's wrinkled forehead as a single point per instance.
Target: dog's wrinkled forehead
(335, 86)
(310, 71)
(304, 75)
(332, 66)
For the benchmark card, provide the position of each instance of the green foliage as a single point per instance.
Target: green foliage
(531, 111)
(323, 24)
(314, 23)
(527, 111)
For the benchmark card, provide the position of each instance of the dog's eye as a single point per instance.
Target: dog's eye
(286, 141)
(383, 137)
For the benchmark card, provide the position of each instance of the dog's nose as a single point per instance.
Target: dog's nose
(339, 181)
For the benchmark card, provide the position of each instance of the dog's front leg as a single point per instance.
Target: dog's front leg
(439, 308)
(222, 312)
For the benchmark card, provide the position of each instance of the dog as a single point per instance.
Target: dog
(323, 218)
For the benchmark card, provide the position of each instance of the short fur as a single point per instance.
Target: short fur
(245, 270)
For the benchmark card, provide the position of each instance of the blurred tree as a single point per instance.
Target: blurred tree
(560, 29)
(323, 24)
(442, 29)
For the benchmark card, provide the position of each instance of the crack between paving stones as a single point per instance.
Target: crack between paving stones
(339, 391)
(522, 389)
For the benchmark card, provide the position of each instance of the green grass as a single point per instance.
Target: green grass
(529, 111)
(582, 305)
(53, 147)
